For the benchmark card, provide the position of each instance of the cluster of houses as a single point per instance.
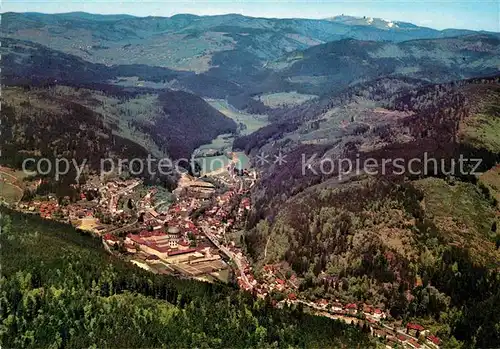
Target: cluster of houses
(393, 340)
(147, 202)
(416, 335)
(222, 208)
(46, 209)
(74, 213)
(417, 331)
(184, 207)
(273, 281)
(247, 280)
(393, 337)
(169, 243)
(245, 206)
(177, 215)
(79, 211)
(97, 210)
(106, 196)
(171, 247)
(372, 314)
(167, 233)
(269, 282)
(94, 200)
(219, 217)
(353, 309)
(111, 192)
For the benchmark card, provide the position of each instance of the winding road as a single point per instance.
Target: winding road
(228, 253)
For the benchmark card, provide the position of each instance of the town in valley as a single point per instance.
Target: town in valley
(196, 232)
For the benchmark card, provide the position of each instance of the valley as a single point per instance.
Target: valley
(214, 156)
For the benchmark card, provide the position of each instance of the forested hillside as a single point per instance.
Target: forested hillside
(331, 67)
(29, 63)
(60, 289)
(186, 123)
(425, 246)
(402, 122)
(105, 121)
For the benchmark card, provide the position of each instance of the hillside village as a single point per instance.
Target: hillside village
(190, 236)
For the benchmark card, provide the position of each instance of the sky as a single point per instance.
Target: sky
(462, 14)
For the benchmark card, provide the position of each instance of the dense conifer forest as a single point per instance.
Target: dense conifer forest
(60, 289)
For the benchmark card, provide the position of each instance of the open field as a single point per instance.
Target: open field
(11, 185)
(212, 163)
(9, 192)
(492, 179)
(241, 159)
(483, 131)
(13, 174)
(284, 99)
(483, 128)
(459, 200)
(174, 50)
(220, 144)
(211, 156)
(463, 216)
(251, 122)
(88, 224)
(201, 268)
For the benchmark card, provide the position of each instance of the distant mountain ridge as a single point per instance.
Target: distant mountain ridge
(318, 70)
(334, 65)
(237, 58)
(393, 25)
(198, 43)
(371, 21)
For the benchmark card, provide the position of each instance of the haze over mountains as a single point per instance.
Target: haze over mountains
(217, 56)
(196, 43)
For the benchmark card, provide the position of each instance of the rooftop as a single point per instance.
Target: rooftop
(178, 252)
(416, 327)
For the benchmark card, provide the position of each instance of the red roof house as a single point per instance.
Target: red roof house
(414, 343)
(174, 253)
(322, 302)
(401, 338)
(415, 327)
(434, 339)
(110, 237)
(367, 309)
